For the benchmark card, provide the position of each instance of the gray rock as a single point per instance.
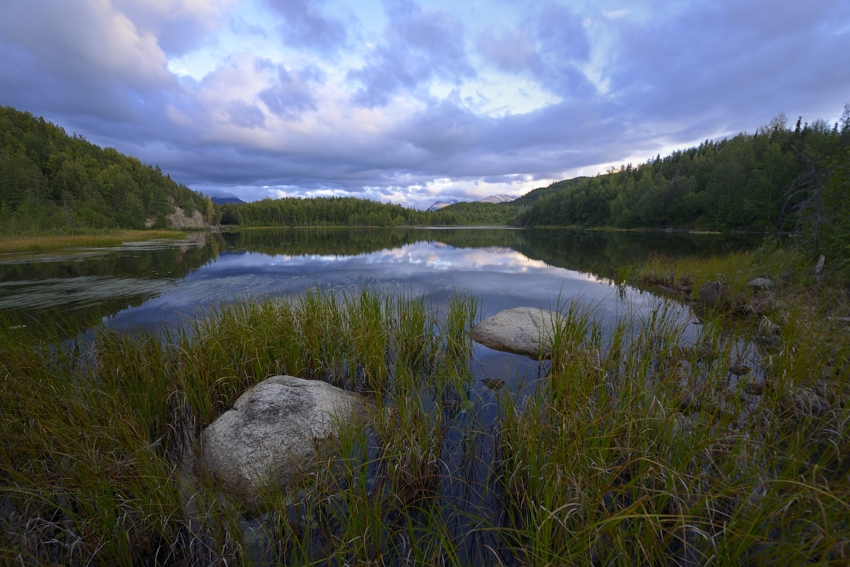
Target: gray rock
(178, 219)
(761, 284)
(711, 293)
(272, 434)
(524, 330)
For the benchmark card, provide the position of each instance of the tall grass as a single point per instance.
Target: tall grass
(637, 448)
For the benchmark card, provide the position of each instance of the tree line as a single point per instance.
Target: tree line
(353, 212)
(778, 178)
(50, 180)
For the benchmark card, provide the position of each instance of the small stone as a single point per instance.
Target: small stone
(494, 384)
(761, 284)
(711, 293)
(738, 369)
(524, 330)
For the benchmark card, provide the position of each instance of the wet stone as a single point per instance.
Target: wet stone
(494, 384)
(524, 330)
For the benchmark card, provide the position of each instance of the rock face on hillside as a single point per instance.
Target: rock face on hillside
(178, 219)
(524, 330)
(273, 432)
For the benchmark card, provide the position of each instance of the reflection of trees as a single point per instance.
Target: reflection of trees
(169, 263)
(603, 253)
(598, 253)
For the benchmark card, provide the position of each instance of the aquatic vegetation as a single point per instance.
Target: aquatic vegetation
(634, 445)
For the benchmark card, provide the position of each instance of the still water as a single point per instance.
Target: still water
(161, 282)
(165, 282)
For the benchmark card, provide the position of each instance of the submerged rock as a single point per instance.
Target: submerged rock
(494, 384)
(524, 330)
(738, 369)
(272, 434)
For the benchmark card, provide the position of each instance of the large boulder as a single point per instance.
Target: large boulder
(524, 330)
(273, 432)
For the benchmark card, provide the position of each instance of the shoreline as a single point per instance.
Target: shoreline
(24, 244)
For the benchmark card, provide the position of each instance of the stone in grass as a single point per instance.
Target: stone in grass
(524, 330)
(761, 284)
(272, 434)
(711, 293)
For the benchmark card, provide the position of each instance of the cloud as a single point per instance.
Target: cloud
(418, 46)
(179, 25)
(549, 46)
(306, 25)
(398, 116)
(291, 94)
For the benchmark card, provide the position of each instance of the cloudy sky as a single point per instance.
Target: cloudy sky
(412, 101)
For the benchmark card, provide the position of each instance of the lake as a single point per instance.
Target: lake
(153, 283)
(163, 283)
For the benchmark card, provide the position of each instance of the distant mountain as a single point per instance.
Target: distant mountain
(227, 200)
(497, 199)
(440, 204)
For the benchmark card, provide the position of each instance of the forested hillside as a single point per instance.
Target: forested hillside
(776, 178)
(50, 180)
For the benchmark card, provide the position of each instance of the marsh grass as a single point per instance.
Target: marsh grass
(46, 243)
(636, 448)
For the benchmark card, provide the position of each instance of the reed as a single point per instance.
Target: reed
(636, 447)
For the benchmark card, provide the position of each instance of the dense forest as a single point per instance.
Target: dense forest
(350, 211)
(777, 178)
(52, 181)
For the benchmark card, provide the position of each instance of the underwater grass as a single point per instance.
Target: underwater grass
(637, 447)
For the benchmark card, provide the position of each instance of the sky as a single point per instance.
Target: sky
(409, 101)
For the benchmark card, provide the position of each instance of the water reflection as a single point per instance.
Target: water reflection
(162, 281)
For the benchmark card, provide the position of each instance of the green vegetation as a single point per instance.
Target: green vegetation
(637, 447)
(53, 183)
(28, 244)
(349, 211)
(777, 178)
